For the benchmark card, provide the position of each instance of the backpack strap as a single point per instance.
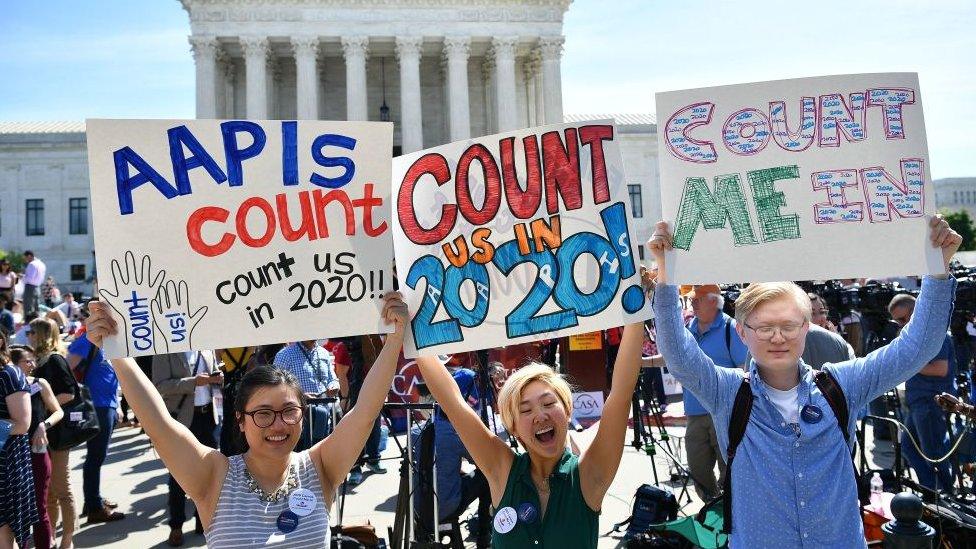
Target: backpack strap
(741, 410)
(728, 341)
(832, 391)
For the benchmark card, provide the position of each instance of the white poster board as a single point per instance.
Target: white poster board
(811, 178)
(515, 237)
(212, 234)
(588, 405)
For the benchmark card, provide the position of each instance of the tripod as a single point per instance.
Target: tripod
(401, 534)
(644, 438)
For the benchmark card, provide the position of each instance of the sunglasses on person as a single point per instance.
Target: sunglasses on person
(266, 417)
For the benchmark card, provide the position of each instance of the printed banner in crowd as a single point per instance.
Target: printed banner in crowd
(515, 237)
(212, 234)
(811, 178)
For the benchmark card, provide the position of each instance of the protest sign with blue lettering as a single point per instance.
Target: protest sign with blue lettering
(515, 237)
(213, 234)
(811, 178)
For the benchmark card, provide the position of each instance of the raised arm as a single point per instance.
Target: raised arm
(919, 341)
(684, 358)
(492, 456)
(599, 463)
(340, 450)
(192, 464)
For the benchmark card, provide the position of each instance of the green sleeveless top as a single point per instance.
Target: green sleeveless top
(569, 522)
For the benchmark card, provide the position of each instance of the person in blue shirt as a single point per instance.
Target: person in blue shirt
(100, 379)
(926, 422)
(456, 490)
(716, 334)
(792, 479)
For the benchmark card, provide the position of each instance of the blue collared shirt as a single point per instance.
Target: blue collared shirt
(314, 368)
(792, 490)
(712, 342)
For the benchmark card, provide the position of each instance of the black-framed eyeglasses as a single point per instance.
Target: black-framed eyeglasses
(266, 417)
(788, 331)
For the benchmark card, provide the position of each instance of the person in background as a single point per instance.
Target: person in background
(716, 334)
(45, 413)
(188, 383)
(235, 363)
(53, 367)
(96, 373)
(34, 273)
(819, 312)
(456, 490)
(314, 367)
(18, 510)
(50, 293)
(8, 279)
(926, 421)
(350, 366)
(7, 323)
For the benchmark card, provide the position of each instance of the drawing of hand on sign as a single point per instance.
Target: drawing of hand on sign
(172, 317)
(133, 289)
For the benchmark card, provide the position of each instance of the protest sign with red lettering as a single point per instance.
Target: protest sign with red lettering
(515, 237)
(212, 234)
(811, 178)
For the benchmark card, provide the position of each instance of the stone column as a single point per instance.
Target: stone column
(205, 56)
(306, 50)
(355, 49)
(503, 49)
(552, 50)
(273, 78)
(529, 70)
(220, 83)
(487, 76)
(256, 67)
(457, 49)
(411, 114)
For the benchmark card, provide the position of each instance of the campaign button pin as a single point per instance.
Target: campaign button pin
(301, 502)
(505, 520)
(287, 521)
(811, 413)
(527, 513)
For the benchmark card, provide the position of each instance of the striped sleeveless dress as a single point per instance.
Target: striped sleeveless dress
(243, 520)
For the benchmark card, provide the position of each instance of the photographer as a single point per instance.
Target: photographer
(926, 421)
(793, 481)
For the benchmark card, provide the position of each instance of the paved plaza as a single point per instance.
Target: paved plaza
(135, 478)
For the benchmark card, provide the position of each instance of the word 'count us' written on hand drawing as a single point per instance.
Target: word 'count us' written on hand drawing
(273, 230)
(515, 237)
(798, 179)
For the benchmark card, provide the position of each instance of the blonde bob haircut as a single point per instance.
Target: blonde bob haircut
(763, 292)
(510, 395)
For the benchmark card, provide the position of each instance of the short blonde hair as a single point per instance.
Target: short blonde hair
(510, 395)
(764, 292)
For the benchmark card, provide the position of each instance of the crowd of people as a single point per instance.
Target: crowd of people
(260, 438)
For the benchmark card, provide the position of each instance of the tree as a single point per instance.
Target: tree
(962, 223)
(16, 259)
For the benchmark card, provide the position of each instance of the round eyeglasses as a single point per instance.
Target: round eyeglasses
(265, 417)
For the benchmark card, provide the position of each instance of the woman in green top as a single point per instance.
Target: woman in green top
(546, 496)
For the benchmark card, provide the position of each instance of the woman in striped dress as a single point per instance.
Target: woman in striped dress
(269, 495)
(18, 510)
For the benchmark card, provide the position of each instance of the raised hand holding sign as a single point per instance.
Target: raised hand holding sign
(135, 287)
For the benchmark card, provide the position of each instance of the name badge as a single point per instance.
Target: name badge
(505, 520)
(301, 502)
